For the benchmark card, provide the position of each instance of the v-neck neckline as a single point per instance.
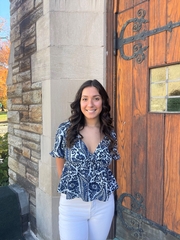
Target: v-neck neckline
(95, 148)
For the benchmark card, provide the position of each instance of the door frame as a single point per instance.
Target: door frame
(111, 6)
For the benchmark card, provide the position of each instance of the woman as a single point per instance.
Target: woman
(84, 147)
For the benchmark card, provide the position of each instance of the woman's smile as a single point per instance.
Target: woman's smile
(91, 103)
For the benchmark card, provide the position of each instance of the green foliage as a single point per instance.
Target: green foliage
(4, 155)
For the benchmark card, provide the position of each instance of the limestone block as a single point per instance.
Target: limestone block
(26, 86)
(69, 62)
(11, 127)
(81, 29)
(47, 208)
(55, 219)
(16, 167)
(32, 97)
(13, 116)
(27, 135)
(34, 159)
(28, 33)
(32, 172)
(17, 100)
(15, 141)
(14, 19)
(43, 29)
(29, 48)
(31, 18)
(38, 2)
(15, 90)
(26, 152)
(18, 151)
(25, 9)
(18, 107)
(12, 174)
(35, 115)
(49, 187)
(32, 165)
(31, 145)
(29, 43)
(55, 181)
(56, 92)
(47, 145)
(14, 78)
(35, 154)
(74, 6)
(36, 85)
(15, 30)
(31, 127)
(15, 5)
(32, 179)
(9, 104)
(16, 44)
(16, 69)
(44, 171)
(18, 54)
(24, 116)
(40, 68)
(25, 64)
(11, 181)
(24, 76)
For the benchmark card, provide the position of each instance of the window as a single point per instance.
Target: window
(165, 89)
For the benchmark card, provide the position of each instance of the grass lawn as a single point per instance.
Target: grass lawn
(3, 116)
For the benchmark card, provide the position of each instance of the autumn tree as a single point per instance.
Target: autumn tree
(4, 56)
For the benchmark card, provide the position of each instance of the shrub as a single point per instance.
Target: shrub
(4, 156)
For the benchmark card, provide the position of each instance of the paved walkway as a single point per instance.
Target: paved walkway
(3, 128)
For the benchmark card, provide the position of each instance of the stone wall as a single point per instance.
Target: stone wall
(24, 101)
(55, 46)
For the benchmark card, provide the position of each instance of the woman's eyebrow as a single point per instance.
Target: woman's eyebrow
(97, 95)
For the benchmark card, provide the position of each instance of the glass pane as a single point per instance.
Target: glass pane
(158, 90)
(174, 72)
(158, 105)
(165, 89)
(158, 74)
(174, 89)
(173, 104)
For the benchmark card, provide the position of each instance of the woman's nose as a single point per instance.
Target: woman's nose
(90, 102)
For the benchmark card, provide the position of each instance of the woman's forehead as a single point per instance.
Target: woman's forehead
(90, 91)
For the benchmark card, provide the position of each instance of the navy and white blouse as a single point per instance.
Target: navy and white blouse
(85, 175)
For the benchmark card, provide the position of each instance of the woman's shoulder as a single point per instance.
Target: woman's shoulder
(63, 127)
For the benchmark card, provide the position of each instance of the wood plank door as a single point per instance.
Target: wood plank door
(148, 131)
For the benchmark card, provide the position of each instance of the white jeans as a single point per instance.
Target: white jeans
(79, 220)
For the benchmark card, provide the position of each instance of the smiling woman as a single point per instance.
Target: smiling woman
(85, 146)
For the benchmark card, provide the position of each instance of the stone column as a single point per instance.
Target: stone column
(70, 50)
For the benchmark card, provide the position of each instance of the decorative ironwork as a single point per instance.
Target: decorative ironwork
(135, 220)
(138, 49)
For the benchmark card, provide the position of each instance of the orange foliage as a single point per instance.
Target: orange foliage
(4, 56)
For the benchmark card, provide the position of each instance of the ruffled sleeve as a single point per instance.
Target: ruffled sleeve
(60, 143)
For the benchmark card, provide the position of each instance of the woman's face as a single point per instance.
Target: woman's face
(91, 103)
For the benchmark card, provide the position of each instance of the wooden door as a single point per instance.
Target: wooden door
(148, 173)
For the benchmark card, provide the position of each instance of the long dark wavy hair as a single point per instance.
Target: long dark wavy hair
(77, 120)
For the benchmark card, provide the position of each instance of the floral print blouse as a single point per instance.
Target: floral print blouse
(85, 175)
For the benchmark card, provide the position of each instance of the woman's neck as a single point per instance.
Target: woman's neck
(92, 123)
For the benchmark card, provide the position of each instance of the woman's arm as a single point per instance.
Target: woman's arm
(59, 165)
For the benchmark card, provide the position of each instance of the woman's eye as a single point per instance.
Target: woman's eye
(97, 99)
(84, 99)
